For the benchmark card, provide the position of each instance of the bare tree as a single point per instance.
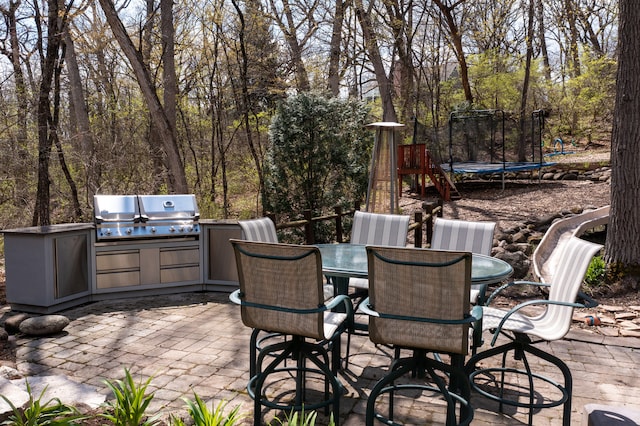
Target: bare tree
(21, 91)
(385, 84)
(525, 82)
(335, 50)
(177, 177)
(542, 39)
(290, 24)
(170, 83)
(56, 21)
(622, 248)
(448, 10)
(244, 99)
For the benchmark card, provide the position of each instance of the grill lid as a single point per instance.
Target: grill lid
(146, 216)
(116, 208)
(168, 207)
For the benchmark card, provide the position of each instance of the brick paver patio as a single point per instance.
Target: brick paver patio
(195, 342)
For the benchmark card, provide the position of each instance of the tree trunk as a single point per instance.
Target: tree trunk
(622, 248)
(335, 49)
(401, 28)
(168, 62)
(542, 39)
(79, 110)
(244, 99)
(525, 84)
(55, 28)
(156, 148)
(574, 54)
(289, 28)
(177, 177)
(19, 149)
(456, 41)
(371, 44)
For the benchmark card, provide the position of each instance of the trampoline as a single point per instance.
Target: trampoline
(477, 145)
(478, 141)
(493, 168)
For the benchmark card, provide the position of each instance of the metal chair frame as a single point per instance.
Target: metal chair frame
(457, 392)
(520, 328)
(297, 347)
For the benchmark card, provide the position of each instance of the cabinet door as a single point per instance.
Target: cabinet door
(72, 269)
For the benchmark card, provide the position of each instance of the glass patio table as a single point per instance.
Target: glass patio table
(342, 261)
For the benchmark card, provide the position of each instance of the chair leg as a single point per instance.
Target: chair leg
(458, 390)
(521, 348)
(302, 352)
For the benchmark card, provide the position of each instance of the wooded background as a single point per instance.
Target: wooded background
(153, 96)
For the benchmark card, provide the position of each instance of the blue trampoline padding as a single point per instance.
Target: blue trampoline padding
(486, 168)
(551, 154)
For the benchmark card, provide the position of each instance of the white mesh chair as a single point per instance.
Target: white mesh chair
(462, 235)
(525, 330)
(418, 300)
(377, 229)
(262, 229)
(281, 290)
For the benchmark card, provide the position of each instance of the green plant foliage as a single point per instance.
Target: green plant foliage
(130, 403)
(496, 80)
(319, 155)
(302, 418)
(596, 272)
(37, 412)
(203, 416)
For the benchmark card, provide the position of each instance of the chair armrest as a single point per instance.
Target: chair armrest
(365, 308)
(476, 326)
(589, 302)
(341, 299)
(503, 287)
(235, 297)
(476, 312)
(475, 316)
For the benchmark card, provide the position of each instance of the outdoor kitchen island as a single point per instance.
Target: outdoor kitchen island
(138, 246)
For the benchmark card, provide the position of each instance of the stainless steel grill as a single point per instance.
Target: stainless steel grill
(119, 217)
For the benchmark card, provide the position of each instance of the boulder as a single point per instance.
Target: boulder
(44, 325)
(16, 394)
(9, 373)
(12, 324)
(519, 262)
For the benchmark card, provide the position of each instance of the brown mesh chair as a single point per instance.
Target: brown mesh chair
(419, 300)
(281, 291)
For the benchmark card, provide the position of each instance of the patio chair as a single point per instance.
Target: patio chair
(418, 300)
(526, 329)
(281, 291)
(261, 229)
(264, 230)
(377, 229)
(462, 235)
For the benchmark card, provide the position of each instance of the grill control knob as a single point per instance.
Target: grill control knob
(129, 231)
(153, 229)
(189, 228)
(172, 229)
(181, 228)
(107, 232)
